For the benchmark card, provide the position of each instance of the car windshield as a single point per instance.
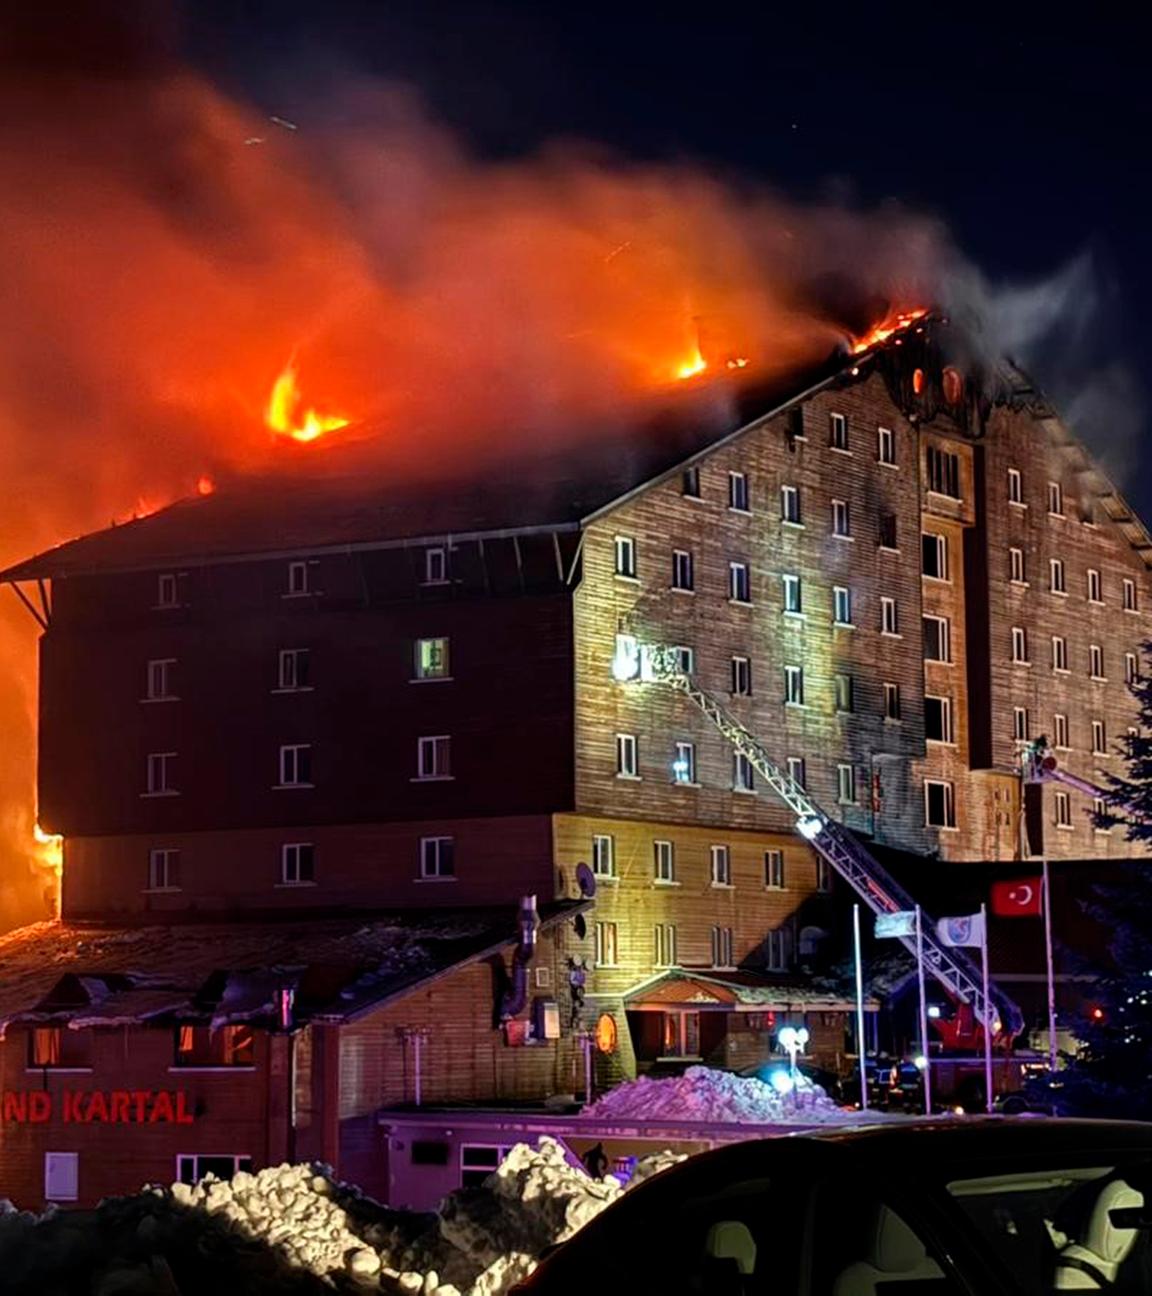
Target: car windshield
(1085, 1227)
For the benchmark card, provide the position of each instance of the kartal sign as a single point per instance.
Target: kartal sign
(97, 1107)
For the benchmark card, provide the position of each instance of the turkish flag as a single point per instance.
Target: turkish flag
(1022, 898)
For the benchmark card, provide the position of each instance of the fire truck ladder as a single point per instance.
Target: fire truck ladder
(950, 966)
(1040, 766)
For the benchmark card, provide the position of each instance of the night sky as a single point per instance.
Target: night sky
(1026, 131)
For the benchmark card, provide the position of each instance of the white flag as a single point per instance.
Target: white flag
(900, 923)
(965, 930)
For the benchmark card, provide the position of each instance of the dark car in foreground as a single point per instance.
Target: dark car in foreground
(977, 1207)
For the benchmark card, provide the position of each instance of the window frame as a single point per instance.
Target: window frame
(843, 693)
(838, 432)
(1055, 497)
(606, 944)
(302, 856)
(791, 513)
(1096, 663)
(841, 518)
(158, 671)
(792, 592)
(690, 482)
(290, 760)
(163, 869)
(1129, 596)
(842, 603)
(167, 590)
(1099, 732)
(948, 797)
(720, 854)
(1016, 562)
(435, 565)
(739, 578)
(797, 770)
(298, 584)
(947, 720)
(942, 472)
(288, 680)
(685, 750)
(664, 943)
(890, 694)
(846, 790)
(1021, 724)
(793, 685)
(1060, 654)
(1095, 583)
(683, 572)
(886, 437)
(161, 763)
(739, 492)
(436, 858)
(603, 853)
(422, 674)
(1062, 809)
(1019, 643)
(625, 561)
(775, 878)
(630, 768)
(889, 617)
(741, 766)
(939, 546)
(723, 947)
(1016, 488)
(663, 861)
(740, 672)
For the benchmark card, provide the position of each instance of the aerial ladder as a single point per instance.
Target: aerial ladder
(950, 966)
(1041, 766)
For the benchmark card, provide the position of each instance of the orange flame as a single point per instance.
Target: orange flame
(882, 332)
(283, 414)
(205, 486)
(49, 850)
(694, 365)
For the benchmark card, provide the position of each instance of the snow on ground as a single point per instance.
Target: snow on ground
(701, 1094)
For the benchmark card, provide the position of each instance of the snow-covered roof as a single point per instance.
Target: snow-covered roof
(739, 990)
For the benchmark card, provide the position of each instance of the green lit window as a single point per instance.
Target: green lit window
(432, 660)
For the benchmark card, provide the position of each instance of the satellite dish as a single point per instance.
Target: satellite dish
(585, 880)
(580, 926)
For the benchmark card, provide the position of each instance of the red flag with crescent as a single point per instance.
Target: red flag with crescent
(1020, 898)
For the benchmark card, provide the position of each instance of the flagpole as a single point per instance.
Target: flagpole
(1047, 897)
(988, 1014)
(860, 1046)
(923, 1015)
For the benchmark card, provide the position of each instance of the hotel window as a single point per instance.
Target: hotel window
(776, 950)
(1020, 725)
(1060, 732)
(167, 592)
(663, 861)
(841, 520)
(1096, 661)
(795, 427)
(1099, 741)
(891, 701)
(843, 692)
(837, 431)
(938, 719)
(738, 492)
(665, 945)
(1131, 668)
(739, 583)
(841, 605)
(741, 676)
(1056, 581)
(690, 482)
(794, 685)
(164, 869)
(793, 601)
(934, 555)
(685, 659)
(889, 616)
(684, 763)
(937, 639)
(627, 762)
(625, 550)
(1129, 588)
(57, 1048)
(823, 875)
(297, 863)
(939, 804)
(885, 446)
(61, 1176)
(1015, 486)
(943, 472)
(683, 577)
(798, 771)
(1059, 653)
(227, 1046)
(297, 578)
(1062, 806)
(432, 659)
(681, 1035)
(743, 775)
(160, 772)
(887, 531)
(192, 1167)
(846, 784)
(1095, 589)
(158, 680)
(296, 765)
(292, 670)
(436, 565)
(607, 948)
(1055, 499)
(1019, 644)
(1016, 569)
(1100, 812)
(722, 947)
(434, 757)
(437, 857)
(790, 505)
(721, 866)
(774, 870)
(604, 855)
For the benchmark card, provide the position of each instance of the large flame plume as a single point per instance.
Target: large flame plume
(286, 416)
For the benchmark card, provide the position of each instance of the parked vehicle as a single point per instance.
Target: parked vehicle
(982, 1207)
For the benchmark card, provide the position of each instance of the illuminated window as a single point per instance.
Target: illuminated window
(1015, 487)
(1055, 499)
(887, 531)
(790, 505)
(741, 676)
(846, 784)
(690, 483)
(665, 945)
(624, 548)
(1056, 576)
(891, 701)
(939, 804)
(1062, 808)
(436, 565)
(684, 763)
(434, 757)
(953, 385)
(663, 861)
(841, 519)
(1060, 732)
(296, 765)
(292, 669)
(1016, 569)
(841, 605)
(627, 761)
(1095, 588)
(793, 601)
(1059, 653)
(437, 857)
(604, 855)
(722, 947)
(164, 869)
(721, 866)
(432, 658)
(297, 578)
(1099, 740)
(681, 1035)
(938, 719)
(1131, 668)
(934, 555)
(798, 771)
(743, 775)
(160, 770)
(843, 691)
(837, 431)
(739, 583)
(297, 863)
(158, 680)
(1020, 724)
(794, 685)
(774, 870)
(943, 470)
(167, 593)
(683, 577)
(1096, 661)
(918, 381)
(1129, 595)
(1019, 644)
(227, 1046)
(738, 492)
(889, 616)
(885, 446)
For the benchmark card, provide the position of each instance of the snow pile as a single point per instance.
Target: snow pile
(290, 1229)
(718, 1097)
